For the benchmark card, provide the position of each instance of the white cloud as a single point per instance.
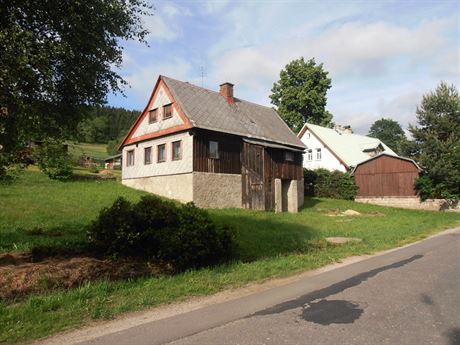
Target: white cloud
(351, 49)
(377, 68)
(143, 80)
(164, 24)
(214, 6)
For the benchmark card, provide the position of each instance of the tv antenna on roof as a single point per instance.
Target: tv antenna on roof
(203, 74)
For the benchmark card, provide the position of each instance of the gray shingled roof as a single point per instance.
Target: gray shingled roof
(209, 110)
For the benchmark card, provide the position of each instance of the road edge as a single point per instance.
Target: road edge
(97, 329)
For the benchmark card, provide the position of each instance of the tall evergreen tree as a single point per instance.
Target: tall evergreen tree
(437, 142)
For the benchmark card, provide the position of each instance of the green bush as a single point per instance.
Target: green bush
(94, 169)
(330, 184)
(54, 161)
(183, 236)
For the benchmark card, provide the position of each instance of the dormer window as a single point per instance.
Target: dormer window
(167, 111)
(153, 115)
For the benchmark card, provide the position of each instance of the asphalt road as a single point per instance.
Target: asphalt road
(408, 296)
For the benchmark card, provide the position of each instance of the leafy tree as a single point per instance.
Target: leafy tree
(437, 142)
(390, 132)
(56, 58)
(54, 161)
(112, 147)
(300, 94)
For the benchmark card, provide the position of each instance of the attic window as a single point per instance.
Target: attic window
(167, 111)
(289, 156)
(153, 115)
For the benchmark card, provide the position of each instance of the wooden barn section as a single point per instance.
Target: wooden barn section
(267, 169)
(386, 176)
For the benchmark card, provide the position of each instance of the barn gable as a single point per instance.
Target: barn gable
(386, 176)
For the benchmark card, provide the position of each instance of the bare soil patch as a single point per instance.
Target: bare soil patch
(19, 276)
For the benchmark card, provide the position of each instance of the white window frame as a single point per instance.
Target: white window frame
(130, 154)
(319, 154)
(309, 155)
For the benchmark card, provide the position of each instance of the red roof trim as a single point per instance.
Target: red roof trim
(187, 124)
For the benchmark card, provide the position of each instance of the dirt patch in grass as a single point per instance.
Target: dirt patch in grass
(19, 276)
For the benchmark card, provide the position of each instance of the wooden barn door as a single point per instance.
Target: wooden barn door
(253, 177)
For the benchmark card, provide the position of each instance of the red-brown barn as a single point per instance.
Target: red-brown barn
(386, 176)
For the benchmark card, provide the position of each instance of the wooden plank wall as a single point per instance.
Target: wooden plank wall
(280, 168)
(229, 161)
(386, 176)
(253, 182)
(275, 166)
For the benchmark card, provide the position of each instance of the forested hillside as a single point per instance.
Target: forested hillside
(105, 124)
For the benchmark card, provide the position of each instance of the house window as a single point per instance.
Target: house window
(130, 158)
(176, 150)
(309, 155)
(289, 156)
(153, 115)
(161, 157)
(214, 149)
(167, 111)
(307, 135)
(318, 154)
(148, 155)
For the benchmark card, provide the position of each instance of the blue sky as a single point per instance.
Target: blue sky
(382, 56)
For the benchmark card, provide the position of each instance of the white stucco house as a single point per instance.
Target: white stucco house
(338, 148)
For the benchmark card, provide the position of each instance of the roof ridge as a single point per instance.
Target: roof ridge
(217, 92)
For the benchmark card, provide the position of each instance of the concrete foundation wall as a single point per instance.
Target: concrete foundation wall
(179, 187)
(414, 203)
(288, 195)
(212, 190)
(293, 199)
(278, 196)
(300, 192)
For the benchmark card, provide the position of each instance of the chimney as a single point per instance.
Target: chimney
(343, 129)
(347, 129)
(226, 91)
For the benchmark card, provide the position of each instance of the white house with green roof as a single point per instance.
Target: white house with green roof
(338, 148)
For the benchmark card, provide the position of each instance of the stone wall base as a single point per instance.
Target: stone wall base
(413, 203)
(177, 187)
(211, 190)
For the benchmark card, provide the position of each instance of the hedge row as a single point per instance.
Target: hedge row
(330, 184)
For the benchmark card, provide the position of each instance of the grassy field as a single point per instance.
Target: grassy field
(270, 245)
(96, 151)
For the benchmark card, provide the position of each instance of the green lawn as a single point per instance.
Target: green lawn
(270, 245)
(96, 151)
